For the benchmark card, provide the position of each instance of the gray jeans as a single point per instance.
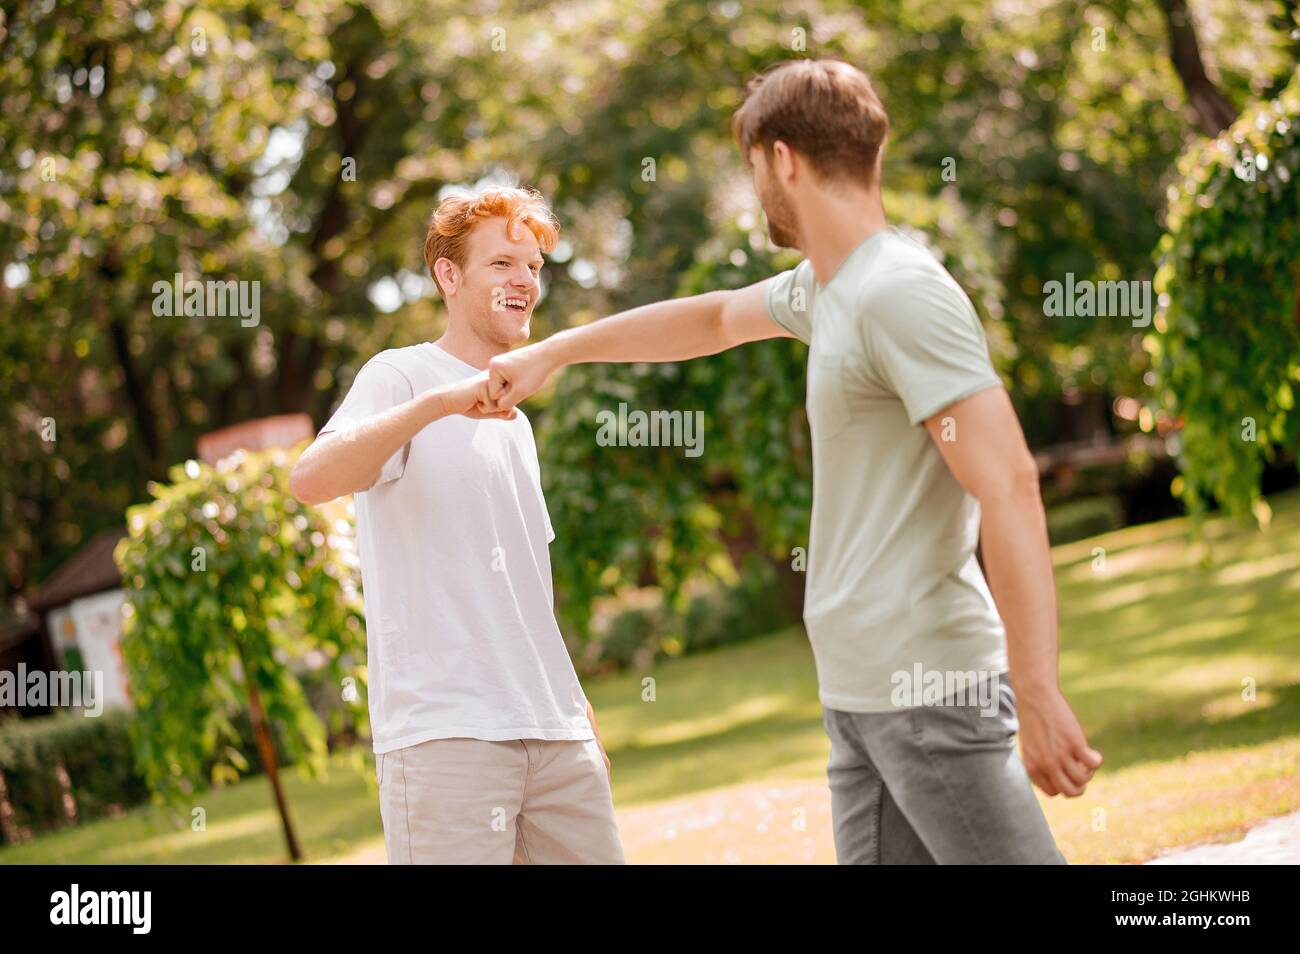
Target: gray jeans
(934, 784)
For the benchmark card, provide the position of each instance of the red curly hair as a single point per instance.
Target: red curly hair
(457, 215)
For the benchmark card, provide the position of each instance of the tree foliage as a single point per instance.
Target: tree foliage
(1227, 342)
(230, 583)
(302, 145)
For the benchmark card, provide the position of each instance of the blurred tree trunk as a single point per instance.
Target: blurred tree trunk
(266, 751)
(739, 534)
(299, 359)
(136, 394)
(9, 834)
(1214, 112)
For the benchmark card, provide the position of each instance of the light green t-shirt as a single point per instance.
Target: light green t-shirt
(893, 580)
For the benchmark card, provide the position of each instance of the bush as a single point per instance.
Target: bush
(66, 762)
(713, 617)
(45, 759)
(752, 608)
(1226, 344)
(229, 580)
(1085, 517)
(633, 634)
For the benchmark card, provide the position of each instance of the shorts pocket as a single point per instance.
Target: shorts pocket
(379, 767)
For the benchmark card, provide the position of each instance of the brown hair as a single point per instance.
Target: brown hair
(824, 110)
(457, 215)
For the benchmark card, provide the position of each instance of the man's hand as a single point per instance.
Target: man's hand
(470, 398)
(517, 375)
(1056, 753)
(350, 459)
(980, 439)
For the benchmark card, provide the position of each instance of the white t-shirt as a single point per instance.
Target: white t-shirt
(461, 635)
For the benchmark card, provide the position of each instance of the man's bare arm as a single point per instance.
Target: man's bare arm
(673, 330)
(350, 460)
(986, 452)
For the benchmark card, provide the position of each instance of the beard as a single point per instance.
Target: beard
(782, 224)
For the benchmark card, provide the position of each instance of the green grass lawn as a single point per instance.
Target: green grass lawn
(1155, 651)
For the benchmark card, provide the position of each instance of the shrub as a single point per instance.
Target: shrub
(66, 764)
(229, 580)
(713, 617)
(1084, 517)
(1226, 342)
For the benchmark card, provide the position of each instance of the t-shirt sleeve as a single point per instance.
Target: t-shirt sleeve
(377, 387)
(789, 300)
(925, 340)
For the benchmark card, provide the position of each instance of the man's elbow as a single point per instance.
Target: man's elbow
(303, 486)
(1015, 483)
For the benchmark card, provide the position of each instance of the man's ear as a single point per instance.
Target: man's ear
(448, 275)
(784, 166)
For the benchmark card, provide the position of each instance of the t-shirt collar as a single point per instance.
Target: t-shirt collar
(864, 244)
(439, 351)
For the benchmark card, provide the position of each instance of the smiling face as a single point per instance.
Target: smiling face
(495, 291)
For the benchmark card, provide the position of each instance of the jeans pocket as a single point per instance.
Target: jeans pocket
(997, 722)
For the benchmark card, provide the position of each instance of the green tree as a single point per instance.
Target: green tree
(230, 581)
(1227, 341)
(302, 146)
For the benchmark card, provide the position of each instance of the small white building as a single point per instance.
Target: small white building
(80, 606)
(75, 621)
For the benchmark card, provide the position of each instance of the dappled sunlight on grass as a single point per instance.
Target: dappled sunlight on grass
(330, 816)
(1117, 596)
(1133, 814)
(1247, 570)
(1159, 635)
(736, 714)
(254, 826)
(1160, 655)
(731, 717)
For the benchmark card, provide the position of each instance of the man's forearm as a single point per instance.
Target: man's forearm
(347, 461)
(673, 330)
(1018, 562)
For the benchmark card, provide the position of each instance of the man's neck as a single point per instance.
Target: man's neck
(833, 224)
(460, 342)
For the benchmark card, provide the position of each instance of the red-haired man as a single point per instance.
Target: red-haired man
(486, 748)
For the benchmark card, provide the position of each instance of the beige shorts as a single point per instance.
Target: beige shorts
(526, 801)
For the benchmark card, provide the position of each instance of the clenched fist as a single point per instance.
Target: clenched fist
(470, 398)
(517, 375)
(1056, 753)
